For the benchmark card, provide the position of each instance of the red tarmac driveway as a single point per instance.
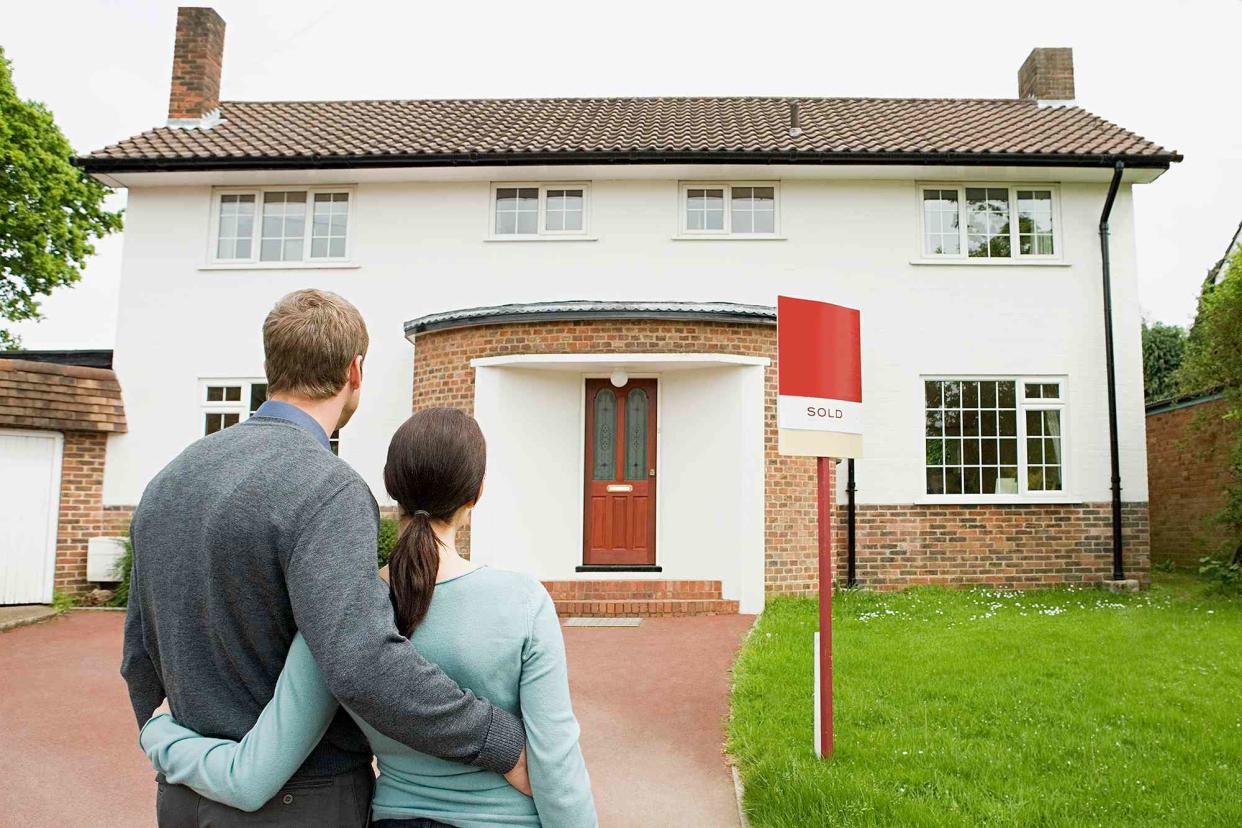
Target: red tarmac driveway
(651, 701)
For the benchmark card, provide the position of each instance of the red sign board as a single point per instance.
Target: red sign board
(819, 405)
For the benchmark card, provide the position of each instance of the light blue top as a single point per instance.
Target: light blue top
(492, 631)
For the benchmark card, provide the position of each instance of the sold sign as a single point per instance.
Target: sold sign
(819, 353)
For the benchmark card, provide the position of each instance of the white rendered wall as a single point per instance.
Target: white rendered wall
(710, 489)
(420, 247)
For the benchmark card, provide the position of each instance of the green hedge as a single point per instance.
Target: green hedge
(389, 530)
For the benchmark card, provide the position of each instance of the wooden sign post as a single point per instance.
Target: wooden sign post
(820, 414)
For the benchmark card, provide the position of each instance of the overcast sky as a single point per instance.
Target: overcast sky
(1167, 71)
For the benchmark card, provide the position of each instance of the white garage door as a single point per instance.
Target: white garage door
(29, 500)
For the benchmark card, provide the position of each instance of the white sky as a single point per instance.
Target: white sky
(1167, 71)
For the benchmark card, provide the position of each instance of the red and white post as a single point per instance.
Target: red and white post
(823, 639)
(820, 415)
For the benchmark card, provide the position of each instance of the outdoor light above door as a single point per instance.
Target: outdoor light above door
(619, 378)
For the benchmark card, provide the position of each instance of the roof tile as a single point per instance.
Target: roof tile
(427, 129)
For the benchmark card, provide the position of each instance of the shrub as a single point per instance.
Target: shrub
(388, 532)
(124, 568)
(1224, 575)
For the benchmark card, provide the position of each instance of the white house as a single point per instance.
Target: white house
(595, 279)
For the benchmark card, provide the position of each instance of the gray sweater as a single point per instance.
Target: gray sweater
(250, 535)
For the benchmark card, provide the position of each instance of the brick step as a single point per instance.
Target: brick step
(644, 609)
(633, 590)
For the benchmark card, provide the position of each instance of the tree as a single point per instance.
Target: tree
(51, 209)
(1163, 346)
(1213, 359)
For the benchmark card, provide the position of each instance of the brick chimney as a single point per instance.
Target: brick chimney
(197, 57)
(1047, 75)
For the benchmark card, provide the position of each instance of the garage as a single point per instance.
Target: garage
(29, 499)
(55, 421)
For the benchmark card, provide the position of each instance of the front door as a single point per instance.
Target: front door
(619, 524)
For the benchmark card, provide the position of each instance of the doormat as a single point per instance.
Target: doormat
(603, 622)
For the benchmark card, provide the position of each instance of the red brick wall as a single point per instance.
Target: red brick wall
(81, 507)
(1010, 545)
(443, 376)
(1187, 472)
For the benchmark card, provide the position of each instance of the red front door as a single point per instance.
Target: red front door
(619, 525)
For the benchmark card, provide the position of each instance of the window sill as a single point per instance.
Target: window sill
(992, 262)
(727, 237)
(281, 266)
(992, 500)
(519, 239)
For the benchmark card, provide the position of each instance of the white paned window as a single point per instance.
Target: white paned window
(284, 227)
(997, 222)
(281, 225)
(534, 210)
(994, 436)
(942, 234)
(236, 226)
(227, 402)
(329, 221)
(729, 210)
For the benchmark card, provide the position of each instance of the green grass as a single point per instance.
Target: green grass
(1057, 707)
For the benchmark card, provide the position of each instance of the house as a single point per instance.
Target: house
(594, 279)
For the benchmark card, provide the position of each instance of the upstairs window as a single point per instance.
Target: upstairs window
(534, 210)
(746, 210)
(281, 225)
(226, 403)
(997, 222)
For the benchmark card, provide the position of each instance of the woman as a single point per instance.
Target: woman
(492, 631)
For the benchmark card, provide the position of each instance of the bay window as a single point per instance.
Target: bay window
(994, 436)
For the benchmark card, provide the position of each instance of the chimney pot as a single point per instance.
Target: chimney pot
(197, 58)
(1047, 74)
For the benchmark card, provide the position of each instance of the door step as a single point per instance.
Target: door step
(644, 609)
(638, 598)
(633, 590)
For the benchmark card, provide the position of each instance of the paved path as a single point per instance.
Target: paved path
(651, 701)
(12, 617)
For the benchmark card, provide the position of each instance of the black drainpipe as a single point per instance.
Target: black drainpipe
(1118, 570)
(851, 580)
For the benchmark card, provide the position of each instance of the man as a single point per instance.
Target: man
(258, 531)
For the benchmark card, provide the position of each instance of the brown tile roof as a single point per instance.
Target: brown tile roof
(42, 395)
(635, 130)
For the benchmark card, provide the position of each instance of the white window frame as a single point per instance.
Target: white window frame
(683, 194)
(1024, 495)
(240, 407)
(256, 241)
(1058, 237)
(542, 231)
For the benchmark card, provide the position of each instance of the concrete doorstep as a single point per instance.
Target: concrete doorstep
(20, 616)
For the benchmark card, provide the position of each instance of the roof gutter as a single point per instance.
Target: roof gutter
(103, 165)
(1105, 215)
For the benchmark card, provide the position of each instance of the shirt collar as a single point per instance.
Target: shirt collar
(291, 413)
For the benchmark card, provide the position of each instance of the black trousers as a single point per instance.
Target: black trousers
(329, 802)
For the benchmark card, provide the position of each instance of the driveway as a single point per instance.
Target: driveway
(651, 701)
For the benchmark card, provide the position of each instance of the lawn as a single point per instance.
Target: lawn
(986, 707)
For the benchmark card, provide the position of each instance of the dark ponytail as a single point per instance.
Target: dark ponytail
(436, 462)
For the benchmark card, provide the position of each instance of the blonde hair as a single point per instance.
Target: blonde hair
(309, 340)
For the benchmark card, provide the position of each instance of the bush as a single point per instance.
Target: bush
(124, 568)
(1224, 575)
(388, 532)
